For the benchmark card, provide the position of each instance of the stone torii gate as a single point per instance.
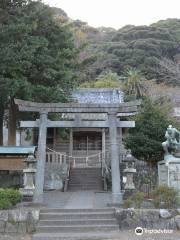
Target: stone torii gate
(112, 123)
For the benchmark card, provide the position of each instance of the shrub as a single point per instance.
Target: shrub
(165, 197)
(138, 199)
(10, 195)
(128, 203)
(5, 204)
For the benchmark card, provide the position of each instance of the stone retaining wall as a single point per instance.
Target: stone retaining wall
(22, 220)
(148, 218)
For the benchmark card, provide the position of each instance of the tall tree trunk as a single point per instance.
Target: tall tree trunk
(12, 123)
(1, 124)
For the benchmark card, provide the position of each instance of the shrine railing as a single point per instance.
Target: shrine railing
(53, 157)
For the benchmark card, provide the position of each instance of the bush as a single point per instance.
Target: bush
(5, 204)
(11, 196)
(138, 199)
(165, 197)
(128, 203)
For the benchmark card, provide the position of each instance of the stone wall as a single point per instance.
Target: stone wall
(148, 218)
(21, 220)
(10, 179)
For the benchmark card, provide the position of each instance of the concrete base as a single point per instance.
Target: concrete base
(169, 172)
(38, 198)
(116, 199)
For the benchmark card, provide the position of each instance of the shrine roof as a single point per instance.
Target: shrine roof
(17, 150)
(98, 95)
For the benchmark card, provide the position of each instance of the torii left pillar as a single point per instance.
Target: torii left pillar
(39, 181)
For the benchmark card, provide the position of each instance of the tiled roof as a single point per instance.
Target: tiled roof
(98, 95)
(17, 150)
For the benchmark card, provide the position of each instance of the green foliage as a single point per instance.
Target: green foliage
(171, 25)
(135, 83)
(138, 199)
(128, 203)
(132, 47)
(5, 204)
(165, 197)
(11, 196)
(104, 80)
(37, 54)
(151, 123)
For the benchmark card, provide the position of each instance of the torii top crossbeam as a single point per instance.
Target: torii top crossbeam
(27, 106)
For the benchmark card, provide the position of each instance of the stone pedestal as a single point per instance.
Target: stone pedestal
(169, 172)
(29, 175)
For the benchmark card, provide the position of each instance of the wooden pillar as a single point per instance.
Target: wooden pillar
(39, 183)
(114, 153)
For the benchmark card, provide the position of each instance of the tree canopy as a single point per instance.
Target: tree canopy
(151, 123)
(37, 53)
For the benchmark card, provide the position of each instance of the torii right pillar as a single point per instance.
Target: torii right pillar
(117, 196)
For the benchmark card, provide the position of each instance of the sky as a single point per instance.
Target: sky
(118, 13)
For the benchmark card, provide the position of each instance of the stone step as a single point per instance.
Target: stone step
(95, 169)
(90, 175)
(77, 228)
(85, 174)
(86, 169)
(96, 183)
(90, 210)
(75, 222)
(76, 216)
(85, 188)
(86, 177)
(78, 236)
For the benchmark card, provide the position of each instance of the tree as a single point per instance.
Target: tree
(169, 71)
(135, 83)
(146, 138)
(106, 79)
(37, 55)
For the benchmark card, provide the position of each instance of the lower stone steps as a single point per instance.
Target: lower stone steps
(71, 223)
(75, 210)
(77, 228)
(76, 216)
(78, 236)
(76, 222)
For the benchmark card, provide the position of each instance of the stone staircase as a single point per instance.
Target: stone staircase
(85, 179)
(76, 224)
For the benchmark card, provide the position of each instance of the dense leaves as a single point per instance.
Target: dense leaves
(37, 54)
(139, 47)
(145, 139)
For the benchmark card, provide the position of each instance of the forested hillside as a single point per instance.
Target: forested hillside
(147, 48)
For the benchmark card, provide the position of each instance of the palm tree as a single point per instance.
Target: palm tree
(135, 83)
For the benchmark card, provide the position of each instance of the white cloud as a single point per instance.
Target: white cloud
(117, 13)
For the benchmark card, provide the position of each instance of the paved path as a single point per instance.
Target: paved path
(81, 199)
(123, 235)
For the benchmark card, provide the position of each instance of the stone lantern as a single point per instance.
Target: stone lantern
(29, 176)
(129, 172)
